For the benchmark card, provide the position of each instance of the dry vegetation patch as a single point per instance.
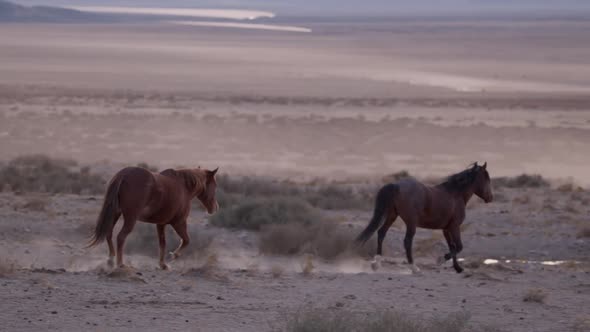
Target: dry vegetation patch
(321, 320)
(521, 181)
(323, 239)
(584, 232)
(40, 173)
(253, 214)
(7, 267)
(535, 295)
(324, 195)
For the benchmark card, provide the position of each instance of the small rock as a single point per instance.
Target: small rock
(350, 297)
(339, 304)
(220, 298)
(54, 312)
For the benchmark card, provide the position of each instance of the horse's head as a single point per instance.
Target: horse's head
(207, 196)
(482, 184)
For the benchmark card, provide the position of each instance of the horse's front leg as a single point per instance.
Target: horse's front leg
(450, 244)
(457, 247)
(180, 228)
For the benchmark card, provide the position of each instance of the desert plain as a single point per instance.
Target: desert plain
(338, 111)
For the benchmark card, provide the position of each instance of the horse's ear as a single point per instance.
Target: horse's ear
(485, 165)
(213, 172)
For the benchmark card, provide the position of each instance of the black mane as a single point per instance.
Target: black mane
(462, 180)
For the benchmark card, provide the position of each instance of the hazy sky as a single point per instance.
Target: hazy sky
(352, 7)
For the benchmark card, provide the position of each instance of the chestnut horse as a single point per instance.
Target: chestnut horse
(158, 198)
(437, 207)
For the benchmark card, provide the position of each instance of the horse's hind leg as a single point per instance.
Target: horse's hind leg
(383, 231)
(111, 260)
(408, 239)
(130, 220)
(162, 240)
(181, 229)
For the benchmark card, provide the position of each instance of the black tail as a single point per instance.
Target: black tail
(384, 198)
(108, 213)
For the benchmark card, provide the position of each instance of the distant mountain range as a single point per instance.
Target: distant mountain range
(356, 7)
(11, 12)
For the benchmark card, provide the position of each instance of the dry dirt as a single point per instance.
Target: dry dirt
(355, 101)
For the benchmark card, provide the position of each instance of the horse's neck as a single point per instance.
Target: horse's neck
(466, 194)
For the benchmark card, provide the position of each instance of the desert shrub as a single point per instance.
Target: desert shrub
(254, 213)
(37, 204)
(535, 295)
(323, 239)
(7, 268)
(584, 232)
(337, 197)
(329, 196)
(39, 173)
(318, 320)
(521, 181)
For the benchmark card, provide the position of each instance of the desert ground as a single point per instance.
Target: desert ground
(338, 110)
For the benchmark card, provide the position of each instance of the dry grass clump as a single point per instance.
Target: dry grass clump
(40, 173)
(325, 195)
(581, 324)
(584, 232)
(37, 204)
(521, 181)
(321, 320)
(253, 214)
(7, 268)
(276, 271)
(535, 295)
(323, 239)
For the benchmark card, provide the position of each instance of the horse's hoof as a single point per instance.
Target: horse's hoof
(111, 262)
(173, 255)
(458, 269)
(163, 266)
(415, 269)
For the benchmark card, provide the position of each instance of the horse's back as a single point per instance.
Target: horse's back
(429, 206)
(137, 188)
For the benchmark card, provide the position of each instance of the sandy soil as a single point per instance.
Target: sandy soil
(226, 285)
(354, 101)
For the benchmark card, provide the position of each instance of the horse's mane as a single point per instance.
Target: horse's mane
(462, 180)
(191, 178)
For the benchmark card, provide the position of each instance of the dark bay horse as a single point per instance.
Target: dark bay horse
(158, 198)
(438, 207)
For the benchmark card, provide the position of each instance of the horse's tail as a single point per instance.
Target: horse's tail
(384, 198)
(108, 213)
